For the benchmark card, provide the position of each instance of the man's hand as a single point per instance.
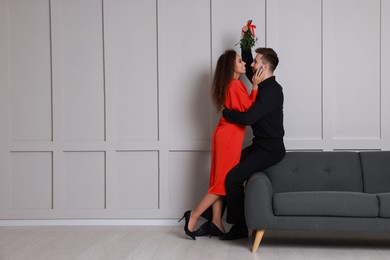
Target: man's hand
(243, 30)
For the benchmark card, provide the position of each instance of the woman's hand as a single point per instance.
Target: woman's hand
(258, 77)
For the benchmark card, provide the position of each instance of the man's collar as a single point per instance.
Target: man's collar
(266, 81)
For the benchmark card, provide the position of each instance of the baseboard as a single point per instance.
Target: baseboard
(89, 222)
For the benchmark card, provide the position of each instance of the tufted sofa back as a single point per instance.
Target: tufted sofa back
(317, 171)
(376, 171)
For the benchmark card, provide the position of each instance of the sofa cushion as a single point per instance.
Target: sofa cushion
(317, 171)
(376, 171)
(384, 204)
(325, 203)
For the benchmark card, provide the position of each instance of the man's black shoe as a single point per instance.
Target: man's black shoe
(236, 232)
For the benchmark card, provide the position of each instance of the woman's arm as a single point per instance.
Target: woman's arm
(237, 96)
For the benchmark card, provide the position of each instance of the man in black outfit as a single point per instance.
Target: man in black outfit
(267, 148)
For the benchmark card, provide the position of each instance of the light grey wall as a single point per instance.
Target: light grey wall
(105, 109)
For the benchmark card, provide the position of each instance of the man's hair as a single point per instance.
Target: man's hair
(269, 56)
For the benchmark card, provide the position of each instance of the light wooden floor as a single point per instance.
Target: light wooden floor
(168, 242)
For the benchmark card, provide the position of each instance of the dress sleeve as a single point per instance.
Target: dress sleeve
(253, 96)
(238, 97)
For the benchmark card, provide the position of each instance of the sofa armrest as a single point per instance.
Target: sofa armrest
(258, 202)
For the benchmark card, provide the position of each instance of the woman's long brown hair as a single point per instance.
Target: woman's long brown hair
(222, 77)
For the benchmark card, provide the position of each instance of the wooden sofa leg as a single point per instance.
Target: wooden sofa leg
(258, 237)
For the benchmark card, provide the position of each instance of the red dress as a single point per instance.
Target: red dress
(228, 137)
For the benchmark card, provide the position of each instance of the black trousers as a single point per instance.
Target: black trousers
(254, 158)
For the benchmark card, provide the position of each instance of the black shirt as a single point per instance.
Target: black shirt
(265, 115)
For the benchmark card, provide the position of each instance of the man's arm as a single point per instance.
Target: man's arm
(268, 100)
(248, 59)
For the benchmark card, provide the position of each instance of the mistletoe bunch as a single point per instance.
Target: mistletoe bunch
(248, 40)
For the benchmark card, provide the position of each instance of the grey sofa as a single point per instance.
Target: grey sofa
(348, 191)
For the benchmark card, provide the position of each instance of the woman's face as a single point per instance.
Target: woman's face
(239, 66)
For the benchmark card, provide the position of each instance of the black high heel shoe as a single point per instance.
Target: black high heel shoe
(208, 229)
(187, 216)
(203, 230)
(215, 231)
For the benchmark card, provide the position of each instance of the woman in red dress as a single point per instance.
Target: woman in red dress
(227, 91)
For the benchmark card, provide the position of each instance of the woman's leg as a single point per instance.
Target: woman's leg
(206, 202)
(217, 213)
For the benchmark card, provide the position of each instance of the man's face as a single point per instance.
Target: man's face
(257, 63)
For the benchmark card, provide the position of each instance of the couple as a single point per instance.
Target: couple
(231, 167)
